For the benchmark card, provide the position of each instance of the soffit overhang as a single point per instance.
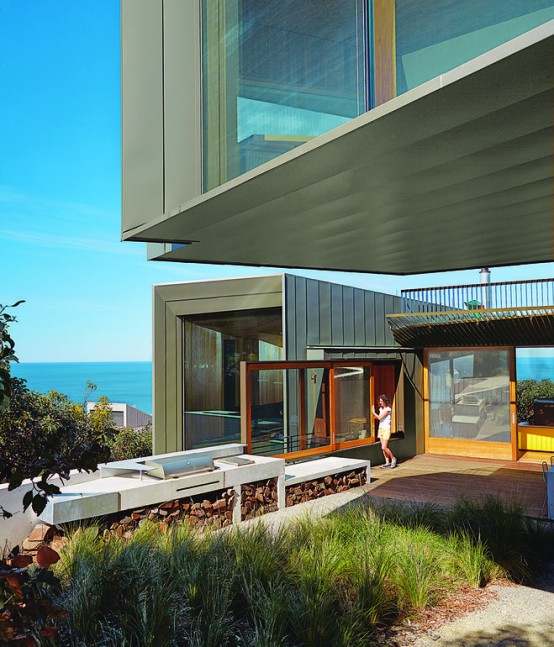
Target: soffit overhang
(457, 173)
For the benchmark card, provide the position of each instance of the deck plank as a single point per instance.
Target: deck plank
(445, 479)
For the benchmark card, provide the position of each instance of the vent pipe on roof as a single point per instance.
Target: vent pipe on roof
(485, 275)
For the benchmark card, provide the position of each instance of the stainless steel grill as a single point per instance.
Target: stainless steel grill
(176, 466)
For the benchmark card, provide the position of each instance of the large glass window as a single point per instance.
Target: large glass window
(435, 36)
(535, 385)
(214, 346)
(275, 74)
(353, 420)
(469, 395)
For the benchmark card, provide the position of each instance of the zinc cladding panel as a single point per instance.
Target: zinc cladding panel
(312, 312)
(300, 318)
(337, 323)
(142, 101)
(319, 313)
(170, 303)
(348, 315)
(159, 378)
(324, 317)
(359, 318)
(182, 91)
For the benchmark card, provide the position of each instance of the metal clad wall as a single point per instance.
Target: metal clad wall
(301, 307)
(324, 314)
(371, 337)
(182, 136)
(348, 315)
(142, 102)
(324, 290)
(337, 322)
(359, 318)
(171, 303)
(313, 312)
(160, 87)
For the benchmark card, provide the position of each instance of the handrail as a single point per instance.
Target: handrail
(479, 296)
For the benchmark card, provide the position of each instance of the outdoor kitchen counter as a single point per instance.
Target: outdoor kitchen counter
(127, 489)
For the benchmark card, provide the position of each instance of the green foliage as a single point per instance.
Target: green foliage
(332, 581)
(7, 354)
(527, 392)
(101, 417)
(130, 443)
(513, 542)
(42, 436)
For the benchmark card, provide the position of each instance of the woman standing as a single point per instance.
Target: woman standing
(384, 418)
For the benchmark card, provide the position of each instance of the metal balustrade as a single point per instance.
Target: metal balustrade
(506, 295)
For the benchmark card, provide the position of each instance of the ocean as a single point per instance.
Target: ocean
(535, 368)
(128, 382)
(131, 382)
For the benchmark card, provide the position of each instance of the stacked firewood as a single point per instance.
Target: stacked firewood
(317, 488)
(213, 509)
(258, 498)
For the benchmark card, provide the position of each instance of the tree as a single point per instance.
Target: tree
(41, 436)
(7, 355)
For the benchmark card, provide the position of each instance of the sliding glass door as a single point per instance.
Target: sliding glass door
(470, 402)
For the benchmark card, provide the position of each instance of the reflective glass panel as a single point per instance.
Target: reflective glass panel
(214, 346)
(316, 432)
(352, 416)
(275, 74)
(270, 434)
(469, 393)
(435, 36)
(535, 386)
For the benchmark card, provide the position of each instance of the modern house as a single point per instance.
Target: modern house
(125, 415)
(390, 136)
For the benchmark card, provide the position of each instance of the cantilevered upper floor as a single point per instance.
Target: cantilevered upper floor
(387, 136)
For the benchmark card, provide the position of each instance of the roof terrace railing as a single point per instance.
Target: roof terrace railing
(535, 294)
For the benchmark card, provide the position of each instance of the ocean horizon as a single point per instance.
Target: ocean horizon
(128, 382)
(131, 382)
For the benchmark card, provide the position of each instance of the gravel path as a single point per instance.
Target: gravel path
(520, 616)
(517, 616)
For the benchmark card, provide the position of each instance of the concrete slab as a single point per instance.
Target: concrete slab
(262, 469)
(301, 472)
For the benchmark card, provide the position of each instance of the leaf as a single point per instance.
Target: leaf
(27, 499)
(21, 561)
(39, 503)
(46, 556)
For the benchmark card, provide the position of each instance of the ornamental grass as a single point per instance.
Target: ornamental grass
(331, 581)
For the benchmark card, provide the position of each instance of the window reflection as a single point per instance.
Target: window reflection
(434, 36)
(469, 393)
(276, 74)
(214, 346)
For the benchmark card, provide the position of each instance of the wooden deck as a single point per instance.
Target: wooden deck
(444, 479)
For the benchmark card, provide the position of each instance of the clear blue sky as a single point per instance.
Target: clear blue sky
(88, 296)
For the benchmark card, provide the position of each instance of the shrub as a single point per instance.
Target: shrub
(131, 443)
(527, 392)
(44, 435)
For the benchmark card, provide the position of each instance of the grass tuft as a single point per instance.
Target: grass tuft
(329, 581)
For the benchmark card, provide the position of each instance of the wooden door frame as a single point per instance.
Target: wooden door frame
(467, 447)
(247, 368)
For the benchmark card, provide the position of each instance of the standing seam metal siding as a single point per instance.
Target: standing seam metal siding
(319, 313)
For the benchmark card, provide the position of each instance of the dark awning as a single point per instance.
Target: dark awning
(480, 328)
